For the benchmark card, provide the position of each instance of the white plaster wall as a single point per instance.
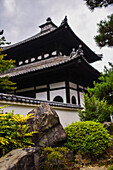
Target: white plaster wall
(24, 90)
(66, 115)
(81, 87)
(73, 85)
(57, 85)
(73, 93)
(18, 109)
(41, 87)
(41, 96)
(55, 93)
(81, 99)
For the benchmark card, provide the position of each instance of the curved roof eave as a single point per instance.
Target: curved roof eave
(91, 58)
(48, 64)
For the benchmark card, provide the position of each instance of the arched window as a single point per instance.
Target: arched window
(39, 57)
(27, 61)
(32, 59)
(20, 63)
(54, 53)
(73, 100)
(58, 99)
(46, 55)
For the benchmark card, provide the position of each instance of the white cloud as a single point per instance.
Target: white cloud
(10, 6)
(20, 19)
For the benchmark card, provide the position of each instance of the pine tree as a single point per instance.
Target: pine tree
(92, 4)
(104, 88)
(5, 83)
(105, 28)
(99, 103)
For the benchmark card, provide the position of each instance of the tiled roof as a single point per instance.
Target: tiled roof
(27, 40)
(39, 65)
(34, 37)
(44, 64)
(15, 98)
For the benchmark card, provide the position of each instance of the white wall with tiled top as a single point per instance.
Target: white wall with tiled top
(66, 115)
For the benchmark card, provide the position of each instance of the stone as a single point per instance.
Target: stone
(47, 124)
(21, 159)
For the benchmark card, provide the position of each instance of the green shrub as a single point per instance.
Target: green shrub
(89, 138)
(95, 109)
(110, 168)
(55, 158)
(13, 132)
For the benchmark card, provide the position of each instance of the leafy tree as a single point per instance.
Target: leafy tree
(99, 102)
(5, 83)
(105, 28)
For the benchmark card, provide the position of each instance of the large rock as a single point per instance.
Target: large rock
(21, 159)
(46, 122)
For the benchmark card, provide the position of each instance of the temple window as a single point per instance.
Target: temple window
(60, 53)
(54, 53)
(27, 61)
(20, 63)
(73, 100)
(39, 57)
(32, 59)
(46, 55)
(58, 99)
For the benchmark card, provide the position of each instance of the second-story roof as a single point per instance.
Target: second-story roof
(49, 39)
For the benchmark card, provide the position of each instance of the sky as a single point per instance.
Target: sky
(20, 20)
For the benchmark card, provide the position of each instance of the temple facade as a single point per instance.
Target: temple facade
(53, 65)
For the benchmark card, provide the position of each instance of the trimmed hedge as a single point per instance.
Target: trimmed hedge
(89, 138)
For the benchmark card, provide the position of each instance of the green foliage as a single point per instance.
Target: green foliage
(105, 33)
(92, 4)
(5, 83)
(99, 103)
(54, 158)
(110, 168)
(88, 138)
(105, 30)
(95, 109)
(104, 88)
(13, 132)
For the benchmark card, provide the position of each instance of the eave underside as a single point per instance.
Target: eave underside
(78, 73)
(62, 39)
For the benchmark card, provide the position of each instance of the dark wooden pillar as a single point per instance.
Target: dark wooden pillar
(67, 92)
(78, 94)
(35, 91)
(48, 92)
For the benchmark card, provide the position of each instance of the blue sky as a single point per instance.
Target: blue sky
(20, 20)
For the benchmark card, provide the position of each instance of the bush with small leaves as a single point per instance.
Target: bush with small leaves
(88, 138)
(14, 132)
(56, 158)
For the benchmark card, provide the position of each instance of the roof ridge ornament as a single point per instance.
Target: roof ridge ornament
(72, 53)
(48, 19)
(65, 20)
(79, 51)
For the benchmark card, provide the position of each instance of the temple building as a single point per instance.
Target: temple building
(53, 65)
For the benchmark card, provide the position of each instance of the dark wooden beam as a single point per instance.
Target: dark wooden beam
(67, 92)
(78, 94)
(48, 92)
